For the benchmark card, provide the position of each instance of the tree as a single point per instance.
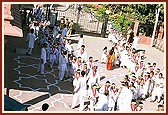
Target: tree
(124, 14)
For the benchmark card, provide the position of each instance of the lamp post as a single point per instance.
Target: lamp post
(104, 25)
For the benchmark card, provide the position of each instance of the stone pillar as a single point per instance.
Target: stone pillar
(8, 28)
(159, 41)
(136, 24)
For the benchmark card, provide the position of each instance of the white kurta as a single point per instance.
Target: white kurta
(31, 38)
(69, 47)
(89, 65)
(62, 67)
(92, 99)
(82, 55)
(43, 55)
(145, 87)
(80, 91)
(124, 58)
(135, 42)
(81, 86)
(158, 88)
(93, 79)
(112, 98)
(103, 89)
(104, 57)
(102, 104)
(78, 65)
(80, 43)
(124, 99)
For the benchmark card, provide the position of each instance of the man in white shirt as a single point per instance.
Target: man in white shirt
(93, 77)
(102, 104)
(124, 97)
(42, 59)
(30, 41)
(81, 41)
(80, 91)
(82, 53)
(92, 96)
(63, 70)
(158, 88)
(90, 63)
(105, 87)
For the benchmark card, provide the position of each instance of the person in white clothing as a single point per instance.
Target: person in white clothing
(124, 97)
(158, 88)
(105, 87)
(112, 105)
(70, 46)
(80, 91)
(102, 104)
(30, 41)
(90, 17)
(75, 84)
(78, 63)
(104, 55)
(81, 42)
(63, 70)
(90, 63)
(93, 77)
(136, 39)
(53, 55)
(42, 59)
(92, 97)
(82, 53)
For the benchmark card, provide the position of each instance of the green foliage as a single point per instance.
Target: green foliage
(127, 13)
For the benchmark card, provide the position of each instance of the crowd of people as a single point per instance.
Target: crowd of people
(141, 82)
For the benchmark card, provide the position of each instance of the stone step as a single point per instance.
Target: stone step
(20, 51)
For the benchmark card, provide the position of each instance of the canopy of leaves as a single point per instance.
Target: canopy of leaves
(123, 14)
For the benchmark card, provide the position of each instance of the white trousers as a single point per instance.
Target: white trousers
(41, 67)
(63, 72)
(74, 101)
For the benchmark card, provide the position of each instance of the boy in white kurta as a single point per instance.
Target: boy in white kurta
(112, 98)
(93, 94)
(80, 91)
(105, 87)
(63, 70)
(90, 63)
(104, 55)
(42, 59)
(81, 41)
(53, 56)
(102, 104)
(93, 77)
(30, 41)
(158, 88)
(82, 53)
(124, 98)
